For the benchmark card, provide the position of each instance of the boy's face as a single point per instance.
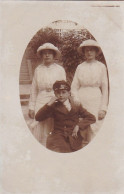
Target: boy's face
(62, 95)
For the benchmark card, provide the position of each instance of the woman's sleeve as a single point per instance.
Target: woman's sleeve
(75, 86)
(62, 74)
(104, 89)
(33, 92)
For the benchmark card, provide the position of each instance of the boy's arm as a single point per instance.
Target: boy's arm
(87, 118)
(44, 113)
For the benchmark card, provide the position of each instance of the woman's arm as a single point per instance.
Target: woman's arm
(75, 86)
(62, 74)
(33, 92)
(104, 90)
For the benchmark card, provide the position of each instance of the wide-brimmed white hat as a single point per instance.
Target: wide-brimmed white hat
(50, 47)
(89, 42)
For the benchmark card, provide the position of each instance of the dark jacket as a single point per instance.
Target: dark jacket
(64, 123)
(64, 118)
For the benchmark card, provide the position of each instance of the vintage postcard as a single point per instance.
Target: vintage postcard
(62, 93)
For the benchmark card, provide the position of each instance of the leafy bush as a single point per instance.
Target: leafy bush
(67, 44)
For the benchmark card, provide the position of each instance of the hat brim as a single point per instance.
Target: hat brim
(80, 49)
(58, 89)
(40, 51)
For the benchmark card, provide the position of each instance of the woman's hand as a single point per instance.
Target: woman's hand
(31, 114)
(101, 114)
(52, 100)
(75, 131)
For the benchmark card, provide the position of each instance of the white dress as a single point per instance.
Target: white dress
(41, 93)
(90, 88)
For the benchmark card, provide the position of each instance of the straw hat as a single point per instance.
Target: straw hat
(89, 42)
(49, 46)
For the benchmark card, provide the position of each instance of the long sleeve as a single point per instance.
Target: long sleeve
(63, 74)
(87, 118)
(33, 92)
(44, 113)
(104, 89)
(75, 86)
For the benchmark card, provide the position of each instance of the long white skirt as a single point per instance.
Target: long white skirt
(90, 99)
(41, 130)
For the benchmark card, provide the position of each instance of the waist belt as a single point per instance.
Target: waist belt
(46, 90)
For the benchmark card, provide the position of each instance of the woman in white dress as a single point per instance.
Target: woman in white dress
(45, 76)
(90, 84)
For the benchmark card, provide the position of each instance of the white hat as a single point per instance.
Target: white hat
(89, 42)
(48, 46)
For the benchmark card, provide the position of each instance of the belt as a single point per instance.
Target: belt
(46, 90)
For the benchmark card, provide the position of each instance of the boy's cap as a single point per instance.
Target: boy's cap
(61, 85)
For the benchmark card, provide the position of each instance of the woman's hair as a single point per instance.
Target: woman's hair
(53, 52)
(95, 48)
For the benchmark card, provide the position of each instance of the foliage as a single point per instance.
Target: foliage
(70, 57)
(67, 44)
(41, 37)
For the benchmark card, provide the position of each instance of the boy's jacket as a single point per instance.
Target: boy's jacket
(64, 123)
(64, 119)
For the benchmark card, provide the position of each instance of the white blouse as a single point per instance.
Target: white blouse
(91, 75)
(43, 80)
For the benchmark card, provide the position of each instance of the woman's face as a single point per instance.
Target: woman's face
(48, 56)
(90, 52)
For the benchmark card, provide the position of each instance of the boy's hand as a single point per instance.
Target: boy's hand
(52, 100)
(31, 114)
(75, 131)
(101, 114)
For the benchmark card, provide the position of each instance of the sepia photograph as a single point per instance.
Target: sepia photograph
(62, 83)
(64, 86)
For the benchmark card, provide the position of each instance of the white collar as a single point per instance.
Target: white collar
(66, 102)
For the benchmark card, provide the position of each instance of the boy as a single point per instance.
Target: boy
(66, 134)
